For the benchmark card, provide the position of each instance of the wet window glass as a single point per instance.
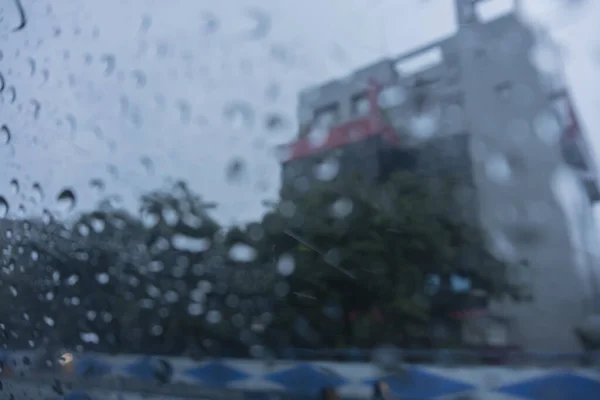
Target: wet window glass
(193, 203)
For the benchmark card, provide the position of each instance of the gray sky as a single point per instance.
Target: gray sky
(115, 82)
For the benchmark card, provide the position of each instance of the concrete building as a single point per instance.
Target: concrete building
(482, 107)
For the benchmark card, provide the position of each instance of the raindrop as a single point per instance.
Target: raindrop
(210, 24)
(72, 123)
(110, 63)
(22, 16)
(2, 83)
(4, 208)
(262, 24)
(213, 316)
(547, 128)
(14, 186)
(342, 208)
(195, 309)
(5, 134)
(31, 63)
(327, 170)
(140, 78)
(498, 168)
(147, 164)
(45, 75)
(36, 108)
(146, 23)
(235, 169)
(275, 122)
(242, 252)
(38, 193)
(67, 200)
(97, 184)
(12, 94)
(47, 217)
(185, 111)
(103, 278)
(286, 265)
(239, 115)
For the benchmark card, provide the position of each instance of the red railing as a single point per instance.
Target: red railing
(346, 133)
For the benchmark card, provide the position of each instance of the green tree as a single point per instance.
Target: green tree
(364, 254)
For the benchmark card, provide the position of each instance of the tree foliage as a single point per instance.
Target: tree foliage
(344, 264)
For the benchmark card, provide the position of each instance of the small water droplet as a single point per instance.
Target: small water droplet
(146, 23)
(140, 78)
(14, 186)
(110, 63)
(286, 265)
(12, 94)
(147, 164)
(72, 123)
(38, 193)
(498, 168)
(97, 184)
(32, 66)
(36, 108)
(235, 169)
(4, 207)
(242, 252)
(240, 115)
(66, 200)
(185, 111)
(5, 135)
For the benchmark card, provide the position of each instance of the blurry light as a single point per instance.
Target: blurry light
(65, 359)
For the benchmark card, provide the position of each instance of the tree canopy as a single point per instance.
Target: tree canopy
(343, 264)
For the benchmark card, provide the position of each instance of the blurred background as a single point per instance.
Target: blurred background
(276, 198)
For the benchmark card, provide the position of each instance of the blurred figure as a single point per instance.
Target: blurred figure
(329, 394)
(381, 391)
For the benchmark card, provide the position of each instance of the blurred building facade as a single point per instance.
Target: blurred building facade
(476, 104)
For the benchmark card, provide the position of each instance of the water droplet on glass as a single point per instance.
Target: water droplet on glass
(38, 193)
(4, 207)
(213, 316)
(31, 63)
(547, 127)
(275, 122)
(209, 23)
(14, 186)
(5, 135)
(342, 208)
(140, 78)
(498, 168)
(286, 265)
(12, 94)
(110, 63)
(240, 115)
(66, 200)
(146, 23)
(242, 252)
(97, 184)
(147, 164)
(185, 111)
(261, 24)
(235, 169)
(328, 169)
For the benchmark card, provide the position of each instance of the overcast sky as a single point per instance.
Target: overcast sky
(133, 92)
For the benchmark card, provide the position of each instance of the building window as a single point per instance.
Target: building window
(327, 117)
(360, 105)
(392, 96)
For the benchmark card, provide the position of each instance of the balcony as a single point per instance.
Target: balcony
(321, 140)
(575, 150)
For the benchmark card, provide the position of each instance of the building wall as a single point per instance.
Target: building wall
(513, 174)
(485, 85)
